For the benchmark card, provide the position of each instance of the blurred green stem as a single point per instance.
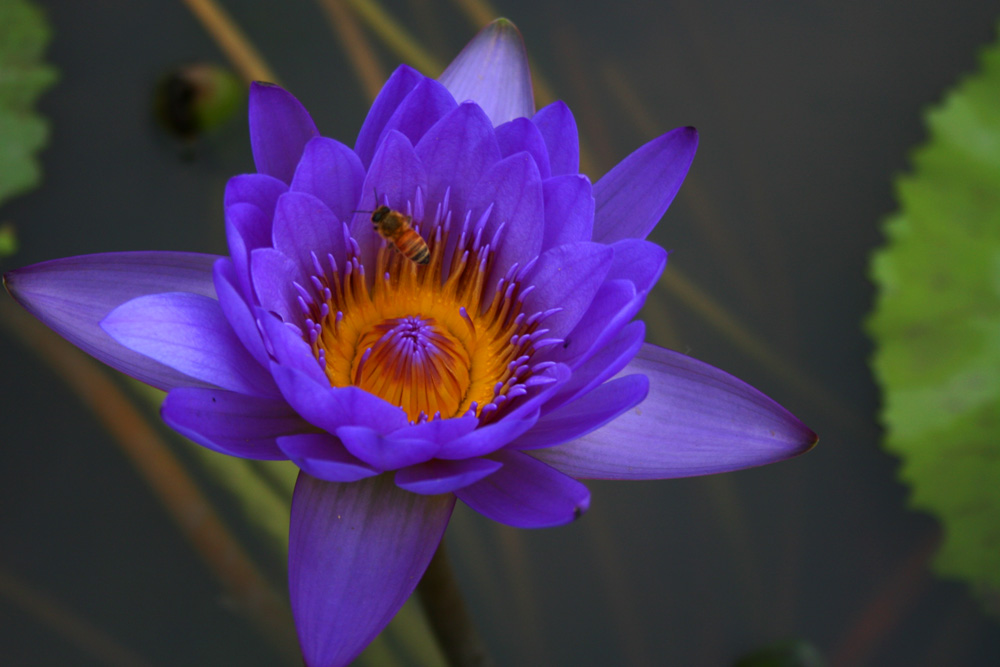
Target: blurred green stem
(448, 617)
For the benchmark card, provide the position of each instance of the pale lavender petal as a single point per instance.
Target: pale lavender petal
(259, 190)
(456, 152)
(567, 276)
(697, 420)
(332, 172)
(639, 261)
(569, 210)
(444, 476)
(492, 71)
(280, 128)
(355, 553)
(231, 423)
(237, 311)
(585, 414)
(558, 128)
(324, 457)
(632, 197)
(71, 296)
(305, 227)
(385, 453)
(521, 134)
(526, 493)
(188, 332)
(331, 408)
(395, 90)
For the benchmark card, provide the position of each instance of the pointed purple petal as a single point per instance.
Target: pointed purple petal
(231, 423)
(492, 71)
(444, 476)
(639, 261)
(395, 90)
(526, 493)
(189, 332)
(304, 226)
(332, 172)
(260, 190)
(274, 275)
(280, 128)
(632, 197)
(440, 431)
(585, 414)
(323, 456)
(385, 453)
(236, 310)
(614, 305)
(604, 363)
(428, 103)
(567, 277)
(290, 348)
(558, 128)
(355, 553)
(71, 296)
(569, 210)
(697, 420)
(521, 134)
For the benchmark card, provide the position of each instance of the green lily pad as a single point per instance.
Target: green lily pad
(24, 34)
(936, 326)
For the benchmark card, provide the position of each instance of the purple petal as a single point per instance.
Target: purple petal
(355, 553)
(385, 453)
(236, 310)
(558, 128)
(231, 423)
(492, 71)
(567, 277)
(585, 414)
(332, 172)
(290, 348)
(456, 152)
(526, 493)
(247, 228)
(274, 275)
(260, 190)
(697, 420)
(188, 332)
(280, 128)
(428, 103)
(569, 210)
(444, 476)
(614, 305)
(331, 408)
(521, 134)
(632, 197)
(639, 261)
(440, 431)
(303, 227)
(605, 362)
(323, 456)
(395, 90)
(71, 296)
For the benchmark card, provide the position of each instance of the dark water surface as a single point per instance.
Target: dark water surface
(806, 110)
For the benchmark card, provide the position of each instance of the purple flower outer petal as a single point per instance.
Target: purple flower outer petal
(526, 493)
(444, 476)
(355, 553)
(258, 190)
(428, 103)
(615, 304)
(492, 71)
(456, 152)
(245, 227)
(332, 172)
(323, 456)
(71, 296)
(238, 314)
(189, 332)
(289, 348)
(632, 197)
(594, 370)
(697, 420)
(231, 423)
(395, 90)
(640, 261)
(385, 453)
(492, 437)
(513, 188)
(440, 431)
(304, 225)
(567, 277)
(569, 210)
(558, 128)
(280, 128)
(274, 274)
(521, 134)
(590, 412)
(331, 408)
(396, 173)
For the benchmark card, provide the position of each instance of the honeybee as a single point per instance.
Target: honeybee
(397, 229)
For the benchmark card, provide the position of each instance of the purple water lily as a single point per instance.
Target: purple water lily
(498, 372)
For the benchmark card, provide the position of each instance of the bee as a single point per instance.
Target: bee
(397, 229)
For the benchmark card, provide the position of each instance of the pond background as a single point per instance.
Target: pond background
(806, 111)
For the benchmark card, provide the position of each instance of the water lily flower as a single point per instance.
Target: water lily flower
(499, 370)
